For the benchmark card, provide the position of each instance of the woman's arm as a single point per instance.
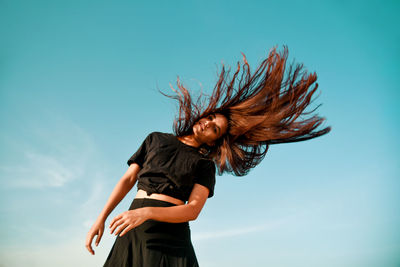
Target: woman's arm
(122, 188)
(175, 214)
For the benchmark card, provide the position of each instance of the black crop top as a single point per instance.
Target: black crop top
(171, 167)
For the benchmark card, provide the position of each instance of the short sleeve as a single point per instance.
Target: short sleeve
(140, 155)
(205, 175)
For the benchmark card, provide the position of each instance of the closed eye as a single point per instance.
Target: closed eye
(216, 128)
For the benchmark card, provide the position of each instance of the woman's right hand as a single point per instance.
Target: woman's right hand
(97, 229)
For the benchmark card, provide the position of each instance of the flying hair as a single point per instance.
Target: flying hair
(264, 107)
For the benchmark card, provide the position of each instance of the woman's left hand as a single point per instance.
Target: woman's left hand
(129, 220)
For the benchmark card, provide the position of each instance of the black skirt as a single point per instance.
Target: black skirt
(153, 243)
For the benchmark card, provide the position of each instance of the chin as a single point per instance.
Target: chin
(196, 129)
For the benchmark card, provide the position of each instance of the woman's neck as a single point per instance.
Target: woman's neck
(189, 140)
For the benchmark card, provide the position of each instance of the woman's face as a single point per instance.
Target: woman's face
(208, 129)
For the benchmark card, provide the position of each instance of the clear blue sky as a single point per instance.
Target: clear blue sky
(78, 93)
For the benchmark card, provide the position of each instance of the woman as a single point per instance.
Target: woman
(230, 132)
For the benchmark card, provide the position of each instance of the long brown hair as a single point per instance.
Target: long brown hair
(265, 107)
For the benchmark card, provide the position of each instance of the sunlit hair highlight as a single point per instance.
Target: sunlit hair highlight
(263, 107)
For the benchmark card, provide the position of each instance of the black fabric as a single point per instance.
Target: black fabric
(171, 167)
(153, 243)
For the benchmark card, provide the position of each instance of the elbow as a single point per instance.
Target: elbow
(193, 210)
(193, 216)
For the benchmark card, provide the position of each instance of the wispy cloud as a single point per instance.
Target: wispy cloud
(240, 230)
(58, 163)
(56, 154)
(38, 171)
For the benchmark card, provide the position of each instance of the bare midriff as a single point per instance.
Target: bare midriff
(143, 194)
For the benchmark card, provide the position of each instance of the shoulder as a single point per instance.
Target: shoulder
(157, 135)
(159, 138)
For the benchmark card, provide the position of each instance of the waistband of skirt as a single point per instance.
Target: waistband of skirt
(150, 202)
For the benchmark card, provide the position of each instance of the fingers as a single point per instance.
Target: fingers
(124, 222)
(127, 229)
(99, 235)
(89, 242)
(123, 226)
(116, 218)
(116, 224)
